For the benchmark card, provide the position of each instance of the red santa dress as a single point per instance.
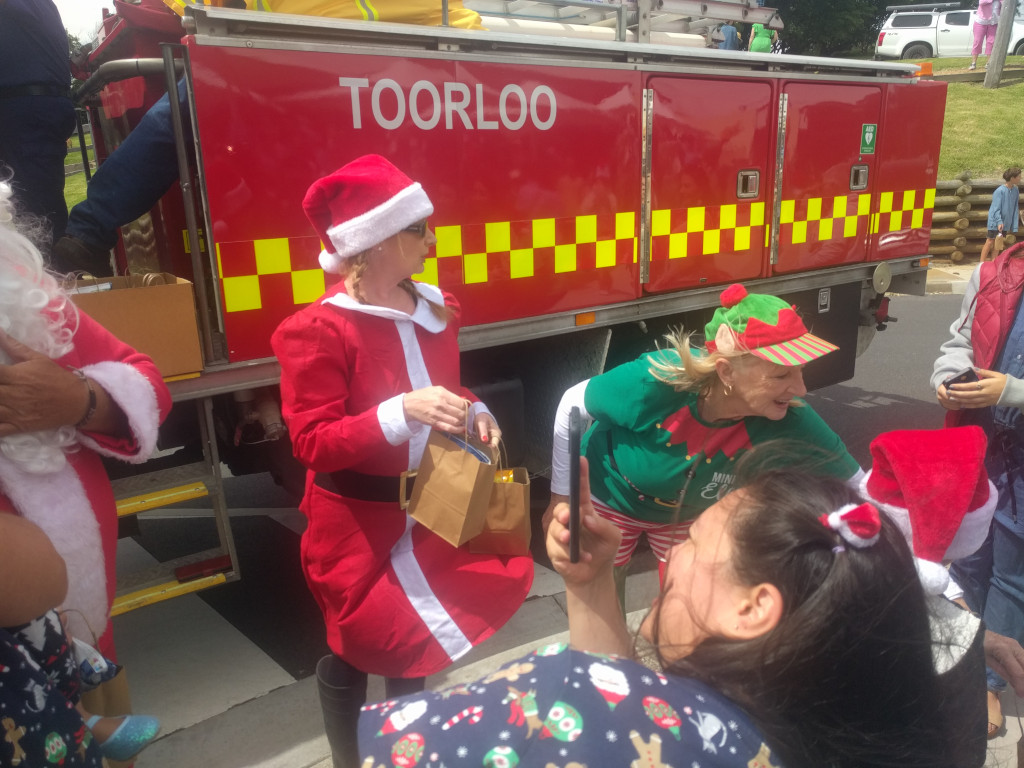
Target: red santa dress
(397, 600)
(75, 505)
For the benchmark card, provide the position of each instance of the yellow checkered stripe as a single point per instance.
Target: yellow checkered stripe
(823, 218)
(902, 210)
(827, 218)
(285, 268)
(699, 230)
(550, 246)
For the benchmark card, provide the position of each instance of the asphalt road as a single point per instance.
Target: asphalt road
(890, 390)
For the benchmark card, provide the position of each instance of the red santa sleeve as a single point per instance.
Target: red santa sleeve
(317, 362)
(131, 379)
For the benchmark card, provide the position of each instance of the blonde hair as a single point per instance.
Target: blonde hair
(355, 267)
(693, 372)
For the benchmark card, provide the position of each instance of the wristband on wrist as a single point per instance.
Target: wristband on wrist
(90, 410)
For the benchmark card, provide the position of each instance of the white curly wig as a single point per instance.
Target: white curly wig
(35, 311)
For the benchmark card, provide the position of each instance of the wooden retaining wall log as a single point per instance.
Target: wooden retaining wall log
(960, 217)
(942, 216)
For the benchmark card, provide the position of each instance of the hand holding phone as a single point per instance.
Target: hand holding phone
(575, 435)
(965, 376)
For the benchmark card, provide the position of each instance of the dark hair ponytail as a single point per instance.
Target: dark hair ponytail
(846, 678)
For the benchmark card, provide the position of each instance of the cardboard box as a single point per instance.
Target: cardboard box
(153, 313)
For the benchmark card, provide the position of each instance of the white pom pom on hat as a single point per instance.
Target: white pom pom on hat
(360, 205)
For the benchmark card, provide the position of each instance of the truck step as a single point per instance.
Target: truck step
(161, 592)
(133, 505)
(180, 576)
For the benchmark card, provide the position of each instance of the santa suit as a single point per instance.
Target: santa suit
(75, 505)
(397, 600)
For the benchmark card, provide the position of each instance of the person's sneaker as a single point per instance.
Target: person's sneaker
(69, 254)
(973, 66)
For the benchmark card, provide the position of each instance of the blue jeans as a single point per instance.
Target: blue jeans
(33, 143)
(133, 179)
(993, 577)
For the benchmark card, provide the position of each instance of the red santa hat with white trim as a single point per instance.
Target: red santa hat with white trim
(360, 205)
(932, 483)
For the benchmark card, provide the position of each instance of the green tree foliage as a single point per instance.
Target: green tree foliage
(831, 27)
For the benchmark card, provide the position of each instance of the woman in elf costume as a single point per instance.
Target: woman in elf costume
(669, 427)
(367, 371)
(791, 631)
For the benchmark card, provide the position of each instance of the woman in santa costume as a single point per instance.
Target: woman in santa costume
(69, 393)
(366, 372)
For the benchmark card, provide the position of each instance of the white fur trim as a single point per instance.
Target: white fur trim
(331, 263)
(58, 504)
(389, 218)
(838, 524)
(423, 316)
(134, 393)
(934, 577)
(975, 527)
(419, 377)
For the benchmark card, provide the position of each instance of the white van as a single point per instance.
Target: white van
(935, 30)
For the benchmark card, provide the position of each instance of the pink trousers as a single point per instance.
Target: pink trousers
(986, 32)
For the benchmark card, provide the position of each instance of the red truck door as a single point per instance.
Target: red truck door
(711, 152)
(830, 158)
(905, 181)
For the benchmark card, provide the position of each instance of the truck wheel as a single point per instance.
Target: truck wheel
(1019, 50)
(917, 51)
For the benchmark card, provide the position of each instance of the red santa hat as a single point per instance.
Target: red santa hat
(933, 485)
(362, 204)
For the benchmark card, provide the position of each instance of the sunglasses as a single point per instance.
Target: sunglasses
(419, 228)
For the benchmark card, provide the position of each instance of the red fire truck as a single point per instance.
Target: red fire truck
(589, 195)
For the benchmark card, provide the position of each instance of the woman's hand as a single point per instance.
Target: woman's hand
(549, 513)
(486, 429)
(599, 539)
(974, 394)
(437, 408)
(37, 394)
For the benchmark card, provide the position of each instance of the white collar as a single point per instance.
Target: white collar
(423, 315)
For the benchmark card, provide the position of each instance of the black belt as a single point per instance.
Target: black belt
(33, 89)
(356, 485)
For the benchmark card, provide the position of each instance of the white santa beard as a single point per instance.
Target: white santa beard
(58, 504)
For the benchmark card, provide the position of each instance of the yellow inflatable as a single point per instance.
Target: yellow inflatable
(426, 12)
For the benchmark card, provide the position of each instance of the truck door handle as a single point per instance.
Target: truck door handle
(748, 184)
(858, 177)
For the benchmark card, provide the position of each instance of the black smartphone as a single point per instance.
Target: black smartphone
(961, 377)
(575, 430)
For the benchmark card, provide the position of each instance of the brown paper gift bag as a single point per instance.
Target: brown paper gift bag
(507, 527)
(453, 486)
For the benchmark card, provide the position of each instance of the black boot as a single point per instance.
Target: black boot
(70, 254)
(403, 686)
(342, 690)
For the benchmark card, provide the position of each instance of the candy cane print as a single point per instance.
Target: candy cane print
(473, 714)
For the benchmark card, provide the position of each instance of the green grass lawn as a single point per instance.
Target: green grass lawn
(981, 131)
(74, 185)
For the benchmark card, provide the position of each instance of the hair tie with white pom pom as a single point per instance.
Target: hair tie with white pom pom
(858, 524)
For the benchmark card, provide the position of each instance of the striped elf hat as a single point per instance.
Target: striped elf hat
(764, 326)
